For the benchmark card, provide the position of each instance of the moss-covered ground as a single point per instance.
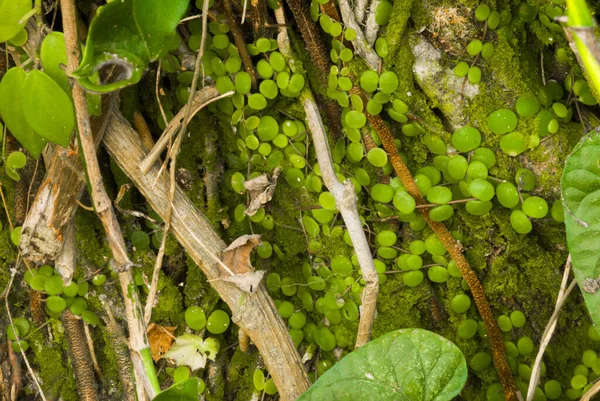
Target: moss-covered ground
(518, 272)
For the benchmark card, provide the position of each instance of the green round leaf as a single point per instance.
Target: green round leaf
(502, 121)
(16, 160)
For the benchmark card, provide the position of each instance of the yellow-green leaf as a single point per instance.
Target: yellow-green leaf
(11, 12)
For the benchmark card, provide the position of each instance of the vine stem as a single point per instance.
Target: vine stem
(138, 341)
(454, 249)
(345, 198)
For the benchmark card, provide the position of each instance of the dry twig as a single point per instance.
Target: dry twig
(173, 169)
(362, 48)
(360, 7)
(142, 358)
(205, 95)
(371, 25)
(345, 200)
(563, 294)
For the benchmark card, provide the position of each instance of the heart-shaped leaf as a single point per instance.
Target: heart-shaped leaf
(11, 110)
(53, 53)
(11, 12)
(47, 108)
(408, 365)
(186, 390)
(580, 187)
(130, 33)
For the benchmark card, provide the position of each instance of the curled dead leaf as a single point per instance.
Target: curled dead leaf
(237, 258)
(261, 191)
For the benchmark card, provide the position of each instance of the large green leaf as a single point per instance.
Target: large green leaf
(47, 108)
(130, 33)
(408, 365)
(186, 390)
(54, 53)
(157, 21)
(581, 195)
(11, 11)
(11, 110)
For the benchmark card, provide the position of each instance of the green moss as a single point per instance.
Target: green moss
(197, 290)
(170, 303)
(396, 28)
(56, 375)
(239, 374)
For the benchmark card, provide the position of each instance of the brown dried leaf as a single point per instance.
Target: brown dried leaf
(160, 339)
(261, 191)
(237, 255)
(247, 282)
(237, 258)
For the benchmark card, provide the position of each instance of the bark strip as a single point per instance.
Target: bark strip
(80, 357)
(45, 227)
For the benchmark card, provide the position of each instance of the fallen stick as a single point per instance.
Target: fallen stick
(120, 263)
(256, 312)
(345, 199)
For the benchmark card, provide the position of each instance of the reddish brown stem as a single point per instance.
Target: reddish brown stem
(455, 251)
(320, 58)
(240, 43)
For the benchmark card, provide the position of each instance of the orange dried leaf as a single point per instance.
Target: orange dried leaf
(160, 339)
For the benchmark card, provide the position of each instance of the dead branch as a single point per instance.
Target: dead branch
(44, 230)
(257, 314)
(138, 341)
(563, 294)
(362, 48)
(371, 25)
(360, 7)
(65, 262)
(345, 200)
